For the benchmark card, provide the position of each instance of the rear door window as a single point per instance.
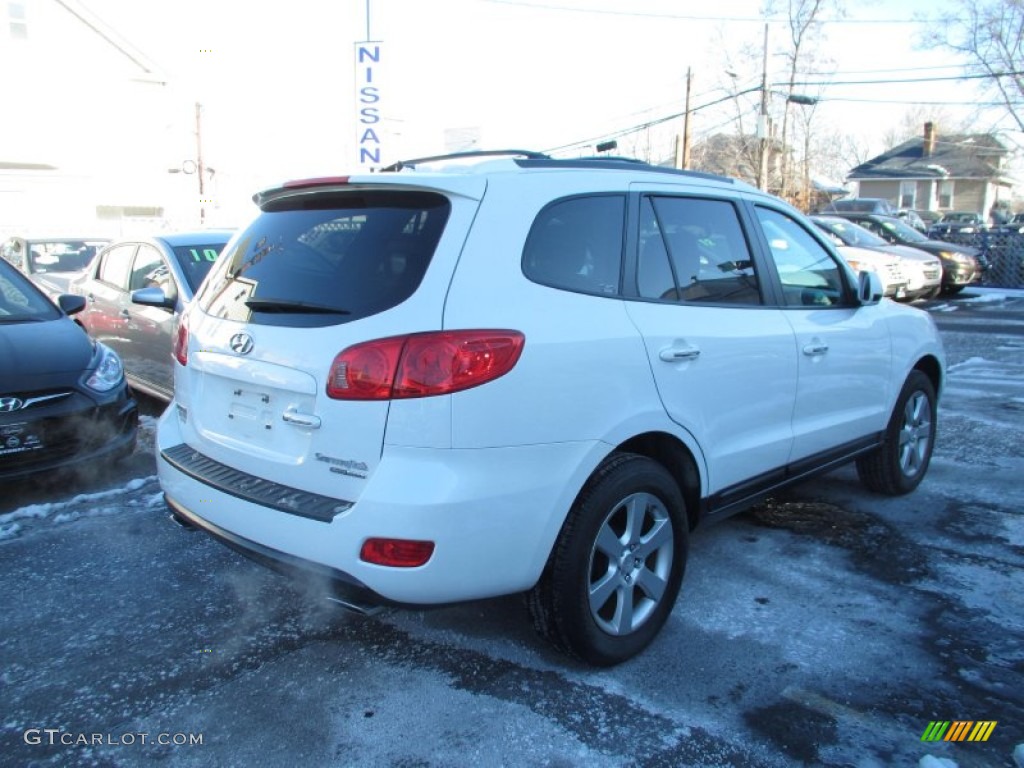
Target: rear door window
(313, 260)
(694, 250)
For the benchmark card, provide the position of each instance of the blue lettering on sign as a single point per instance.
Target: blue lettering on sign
(364, 53)
(368, 93)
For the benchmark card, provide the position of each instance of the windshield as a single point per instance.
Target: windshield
(20, 301)
(903, 231)
(62, 255)
(322, 259)
(850, 233)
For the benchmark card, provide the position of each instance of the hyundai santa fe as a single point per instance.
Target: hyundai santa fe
(502, 373)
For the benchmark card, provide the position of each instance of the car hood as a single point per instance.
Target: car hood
(43, 355)
(909, 252)
(934, 246)
(56, 283)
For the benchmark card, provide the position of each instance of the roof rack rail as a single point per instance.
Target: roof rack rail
(460, 155)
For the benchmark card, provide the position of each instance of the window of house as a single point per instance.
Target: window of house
(908, 194)
(693, 250)
(945, 194)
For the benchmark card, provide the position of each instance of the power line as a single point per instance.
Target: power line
(691, 17)
(892, 81)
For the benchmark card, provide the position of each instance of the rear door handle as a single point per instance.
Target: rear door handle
(679, 354)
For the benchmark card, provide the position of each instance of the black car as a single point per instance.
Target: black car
(136, 290)
(957, 223)
(63, 397)
(961, 265)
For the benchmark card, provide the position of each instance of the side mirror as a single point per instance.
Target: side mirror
(70, 304)
(869, 288)
(154, 297)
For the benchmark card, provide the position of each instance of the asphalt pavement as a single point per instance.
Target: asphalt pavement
(826, 627)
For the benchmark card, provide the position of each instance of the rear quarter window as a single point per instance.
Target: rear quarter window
(576, 244)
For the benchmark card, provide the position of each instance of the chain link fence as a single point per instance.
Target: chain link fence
(1005, 253)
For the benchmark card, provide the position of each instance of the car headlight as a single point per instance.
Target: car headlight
(860, 266)
(108, 372)
(960, 258)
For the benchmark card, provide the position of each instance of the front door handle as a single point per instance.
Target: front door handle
(816, 348)
(679, 354)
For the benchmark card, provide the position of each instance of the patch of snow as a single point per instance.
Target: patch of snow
(45, 510)
(928, 761)
(1018, 755)
(9, 531)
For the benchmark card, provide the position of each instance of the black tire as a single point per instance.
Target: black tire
(952, 290)
(633, 571)
(898, 465)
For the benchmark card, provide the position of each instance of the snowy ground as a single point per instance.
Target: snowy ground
(828, 627)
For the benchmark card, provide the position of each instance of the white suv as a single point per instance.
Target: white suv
(524, 374)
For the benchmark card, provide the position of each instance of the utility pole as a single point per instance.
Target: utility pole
(762, 121)
(684, 160)
(200, 170)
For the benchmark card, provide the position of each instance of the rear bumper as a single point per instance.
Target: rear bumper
(493, 515)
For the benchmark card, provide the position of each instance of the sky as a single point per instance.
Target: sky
(278, 82)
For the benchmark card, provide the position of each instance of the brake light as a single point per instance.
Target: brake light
(396, 553)
(423, 364)
(181, 341)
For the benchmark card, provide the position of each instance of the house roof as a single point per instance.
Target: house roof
(961, 156)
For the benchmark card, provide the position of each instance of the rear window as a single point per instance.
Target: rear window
(313, 260)
(196, 260)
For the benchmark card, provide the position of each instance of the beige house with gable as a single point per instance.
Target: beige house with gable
(933, 172)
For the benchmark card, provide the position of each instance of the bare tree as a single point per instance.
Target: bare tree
(804, 19)
(988, 35)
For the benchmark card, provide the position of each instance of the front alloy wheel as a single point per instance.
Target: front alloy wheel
(899, 464)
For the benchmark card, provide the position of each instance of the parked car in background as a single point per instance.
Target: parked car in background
(528, 374)
(63, 396)
(136, 289)
(886, 266)
(1014, 226)
(957, 223)
(861, 205)
(928, 217)
(51, 262)
(910, 216)
(960, 264)
(921, 270)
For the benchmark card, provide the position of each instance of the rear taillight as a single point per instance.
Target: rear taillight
(396, 553)
(423, 364)
(181, 341)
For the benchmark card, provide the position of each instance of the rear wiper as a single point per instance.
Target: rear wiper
(282, 305)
